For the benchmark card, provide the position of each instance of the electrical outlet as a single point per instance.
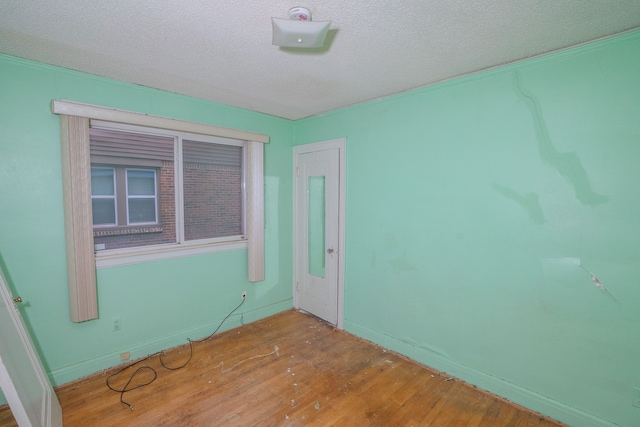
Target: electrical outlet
(117, 326)
(244, 294)
(636, 397)
(125, 356)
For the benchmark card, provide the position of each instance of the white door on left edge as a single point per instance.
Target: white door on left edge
(316, 233)
(22, 378)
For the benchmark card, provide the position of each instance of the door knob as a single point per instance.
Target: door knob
(329, 251)
(17, 300)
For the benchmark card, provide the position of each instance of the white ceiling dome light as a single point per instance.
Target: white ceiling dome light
(299, 30)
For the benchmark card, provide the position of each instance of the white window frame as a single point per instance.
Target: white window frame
(114, 197)
(81, 259)
(183, 247)
(128, 197)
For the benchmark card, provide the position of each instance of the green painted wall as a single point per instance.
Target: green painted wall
(160, 304)
(477, 211)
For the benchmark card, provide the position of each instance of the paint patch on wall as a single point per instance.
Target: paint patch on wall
(400, 265)
(564, 268)
(567, 164)
(529, 202)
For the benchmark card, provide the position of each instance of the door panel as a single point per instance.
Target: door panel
(316, 225)
(317, 233)
(22, 378)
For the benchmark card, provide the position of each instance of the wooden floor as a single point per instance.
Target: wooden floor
(287, 370)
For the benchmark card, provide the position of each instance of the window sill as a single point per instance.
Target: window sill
(129, 256)
(121, 231)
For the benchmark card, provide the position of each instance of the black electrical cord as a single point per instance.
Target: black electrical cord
(153, 371)
(125, 389)
(219, 326)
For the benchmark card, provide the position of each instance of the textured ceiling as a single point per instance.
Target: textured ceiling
(221, 50)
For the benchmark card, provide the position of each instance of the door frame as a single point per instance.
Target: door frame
(340, 144)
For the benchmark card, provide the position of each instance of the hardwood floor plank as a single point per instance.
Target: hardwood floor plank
(287, 370)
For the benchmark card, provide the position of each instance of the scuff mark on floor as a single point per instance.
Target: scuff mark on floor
(276, 351)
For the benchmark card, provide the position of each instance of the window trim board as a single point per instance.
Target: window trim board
(72, 108)
(255, 211)
(76, 179)
(159, 252)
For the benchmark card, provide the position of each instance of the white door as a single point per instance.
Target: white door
(318, 236)
(22, 378)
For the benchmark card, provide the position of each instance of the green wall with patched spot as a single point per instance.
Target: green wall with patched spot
(493, 228)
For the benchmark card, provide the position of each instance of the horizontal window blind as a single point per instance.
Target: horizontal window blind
(212, 154)
(129, 145)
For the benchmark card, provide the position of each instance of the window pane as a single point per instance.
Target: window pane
(104, 211)
(213, 197)
(316, 225)
(142, 210)
(145, 187)
(141, 182)
(102, 181)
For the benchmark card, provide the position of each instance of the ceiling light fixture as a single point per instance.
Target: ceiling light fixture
(299, 30)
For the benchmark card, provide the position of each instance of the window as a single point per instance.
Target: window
(240, 226)
(103, 196)
(132, 190)
(151, 187)
(142, 200)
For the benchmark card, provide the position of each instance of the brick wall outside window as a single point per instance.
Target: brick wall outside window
(212, 201)
(212, 208)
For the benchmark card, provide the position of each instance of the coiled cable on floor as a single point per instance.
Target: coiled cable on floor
(146, 368)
